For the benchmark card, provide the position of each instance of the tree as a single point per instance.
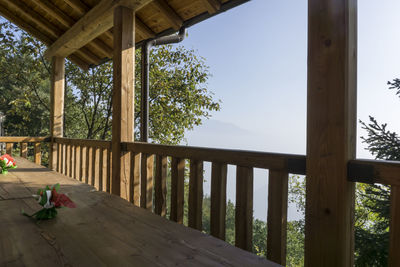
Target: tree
(179, 97)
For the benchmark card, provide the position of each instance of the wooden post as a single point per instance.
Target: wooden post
(9, 147)
(218, 200)
(331, 132)
(123, 97)
(56, 106)
(177, 189)
(277, 216)
(23, 150)
(244, 208)
(160, 186)
(37, 153)
(196, 195)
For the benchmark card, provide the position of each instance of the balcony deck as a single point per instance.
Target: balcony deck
(104, 230)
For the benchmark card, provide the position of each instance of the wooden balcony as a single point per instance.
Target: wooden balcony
(84, 170)
(104, 230)
(87, 35)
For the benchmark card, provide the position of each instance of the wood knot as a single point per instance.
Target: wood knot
(328, 42)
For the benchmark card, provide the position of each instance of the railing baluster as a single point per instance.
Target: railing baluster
(88, 173)
(147, 173)
(135, 177)
(244, 208)
(23, 150)
(95, 167)
(177, 189)
(68, 160)
(161, 185)
(104, 156)
(78, 162)
(143, 180)
(394, 230)
(59, 157)
(218, 200)
(37, 153)
(196, 195)
(109, 163)
(91, 170)
(64, 157)
(277, 216)
(100, 168)
(84, 164)
(73, 160)
(9, 148)
(150, 181)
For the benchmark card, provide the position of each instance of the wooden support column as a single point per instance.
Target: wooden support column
(331, 132)
(56, 106)
(123, 98)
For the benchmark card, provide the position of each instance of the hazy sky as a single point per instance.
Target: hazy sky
(258, 57)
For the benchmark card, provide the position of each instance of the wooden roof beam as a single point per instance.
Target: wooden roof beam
(42, 37)
(77, 5)
(35, 17)
(169, 13)
(143, 29)
(52, 30)
(68, 22)
(212, 6)
(81, 9)
(98, 20)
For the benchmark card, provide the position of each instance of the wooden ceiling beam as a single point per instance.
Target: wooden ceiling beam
(212, 6)
(34, 17)
(55, 12)
(68, 22)
(143, 29)
(94, 23)
(81, 9)
(51, 30)
(39, 35)
(169, 13)
(78, 6)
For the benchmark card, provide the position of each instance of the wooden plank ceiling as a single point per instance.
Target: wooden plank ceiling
(47, 20)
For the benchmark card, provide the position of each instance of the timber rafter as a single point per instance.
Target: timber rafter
(74, 29)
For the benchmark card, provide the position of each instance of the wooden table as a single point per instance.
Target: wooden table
(104, 230)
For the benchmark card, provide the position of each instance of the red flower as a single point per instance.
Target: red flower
(61, 200)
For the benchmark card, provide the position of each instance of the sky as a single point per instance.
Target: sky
(257, 54)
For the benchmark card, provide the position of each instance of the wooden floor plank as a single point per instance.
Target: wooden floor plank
(104, 230)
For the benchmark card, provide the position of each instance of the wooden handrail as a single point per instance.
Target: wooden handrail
(23, 139)
(23, 145)
(275, 161)
(374, 171)
(83, 142)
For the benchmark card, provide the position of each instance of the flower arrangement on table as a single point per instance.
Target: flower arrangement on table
(7, 162)
(51, 200)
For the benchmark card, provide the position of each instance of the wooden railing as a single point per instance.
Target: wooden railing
(23, 145)
(88, 161)
(387, 173)
(279, 165)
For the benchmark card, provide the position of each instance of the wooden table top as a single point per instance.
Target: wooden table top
(104, 230)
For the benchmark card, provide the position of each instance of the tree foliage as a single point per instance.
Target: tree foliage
(179, 97)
